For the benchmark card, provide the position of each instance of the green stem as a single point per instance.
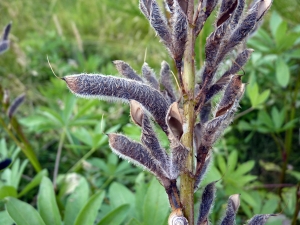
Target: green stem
(58, 156)
(79, 162)
(186, 180)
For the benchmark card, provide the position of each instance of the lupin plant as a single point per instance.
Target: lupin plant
(186, 116)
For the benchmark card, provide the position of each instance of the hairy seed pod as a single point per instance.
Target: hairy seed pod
(149, 138)
(136, 154)
(6, 32)
(199, 177)
(113, 88)
(232, 207)
(124, 69)
(178, 157)
(165, 76)
(260, 219)
(207, 6)
(179, 32)
(177, 218)
(169, 5)
(4, 45)
(152, 12)
(226, 10)
(233, 92)
(207, 200)
(149, 75)
(237, 14)
(205, 112)
(15, 105)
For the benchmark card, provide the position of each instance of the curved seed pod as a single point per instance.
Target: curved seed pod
(233, 92)
(165, 76)
(241, 32)
(199, 177)
(217, 87)
(138, 155)
(178, 157)
(124, 69)
(15, 105)
(226, 9)
(212, 47)
(149, 74)
(205, 112)
(148, 137)
(151, 10)
(179, 32)
(237, 14)
(6, 32)
(232, 208)
(113, 88)
(260, 219)
(208, 197)
(238, 63)
(207, 6)
(177, 218)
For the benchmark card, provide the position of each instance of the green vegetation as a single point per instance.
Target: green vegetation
(257, 157)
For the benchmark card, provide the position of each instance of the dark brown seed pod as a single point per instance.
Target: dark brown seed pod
(207, 6)
(226, 10)
(199, 177)
(149, 75)
(152, 12)
(207, 200)
(237, 14)
(166, 80)
(15, 105)
(260, 219)
(205, 112)
(149, 138)
(125, 70)
(138, 155)
(179, 32)
(114, 88)
(233, 92)
(232, 207)
(174, 121)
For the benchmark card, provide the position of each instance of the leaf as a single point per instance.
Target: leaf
(281, 33)
(269, 206)
(282, 72)
(155, 209)
(133, 221)
(275, 21)
(263, 97)
(252, 92)
(5, 219)
(232, 161)
(23, 213)
(70, 102)
(264, 118)
(89, 212)
(46, 202)
(76, 201)
(6, 191)
(221, 164)
(244, 168)
(116, 217)
(34, 182)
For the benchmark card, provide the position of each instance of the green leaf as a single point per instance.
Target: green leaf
(232, 161)
(119, 195)
(133, 221)
(244, 168)
(252, 92)
(70, 102)
(281, 33)
(34, 182)
(221, 164)
(282, 72)
(5, 219)
(46, 202)
(117, 216)
(23, 213)
(140, 193)
(269, 206)
(275, 21)
(76, 201)
(156, 205)
(264, 118)
(88, 214)
(263, 97)
(6, 191)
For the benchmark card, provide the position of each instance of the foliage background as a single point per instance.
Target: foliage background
(257, 157)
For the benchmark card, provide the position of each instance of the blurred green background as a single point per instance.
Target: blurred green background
(258, 156)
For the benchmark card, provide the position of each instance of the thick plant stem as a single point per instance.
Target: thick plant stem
(186, 179)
